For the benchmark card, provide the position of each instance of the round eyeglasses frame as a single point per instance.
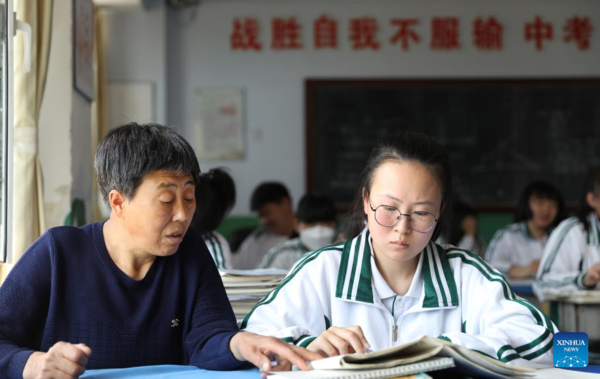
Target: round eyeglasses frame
(435, 220)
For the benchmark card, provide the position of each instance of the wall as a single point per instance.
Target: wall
(199, 56)
(64, 128)
(81, 159)
(55, 139)
(181, 50)
(136, 50)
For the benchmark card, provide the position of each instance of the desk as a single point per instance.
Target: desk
(189, 372)
(579, 312)
(168, 371)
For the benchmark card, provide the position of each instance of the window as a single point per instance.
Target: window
(5, 147)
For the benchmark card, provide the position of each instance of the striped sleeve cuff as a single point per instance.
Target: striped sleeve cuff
(579, 282)
(304, 341)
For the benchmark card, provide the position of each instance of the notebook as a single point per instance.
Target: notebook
(467, 362)
(410, 371)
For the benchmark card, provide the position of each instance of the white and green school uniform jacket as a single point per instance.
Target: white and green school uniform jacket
(218, 248)
(284, 255)
(570, 252)
(454, 295)
(255, 247)
(514, 246)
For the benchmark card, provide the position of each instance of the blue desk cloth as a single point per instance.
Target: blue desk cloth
(173, 372)
(168, 372)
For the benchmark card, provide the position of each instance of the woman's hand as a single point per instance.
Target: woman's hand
(62, 361)
(261, 351)
(337, 341)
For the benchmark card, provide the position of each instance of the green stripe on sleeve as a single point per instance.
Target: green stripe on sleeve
(306, 342)
(539, 352)
(533, 343)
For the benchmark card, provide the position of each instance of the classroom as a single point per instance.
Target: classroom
(293, 110)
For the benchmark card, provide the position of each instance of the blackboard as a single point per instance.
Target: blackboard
(499, 134)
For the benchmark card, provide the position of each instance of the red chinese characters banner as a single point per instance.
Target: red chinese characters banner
(364, 33)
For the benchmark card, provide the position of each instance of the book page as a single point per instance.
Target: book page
(413, 351)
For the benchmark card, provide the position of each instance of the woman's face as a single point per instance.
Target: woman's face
(159, 213)
(410, 187)
(543, 211)
(593, 200)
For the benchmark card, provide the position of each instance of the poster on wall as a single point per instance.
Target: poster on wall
(219, 124)
(83, 47)
(130, 101)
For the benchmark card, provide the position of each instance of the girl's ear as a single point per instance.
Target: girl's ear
(365, 198)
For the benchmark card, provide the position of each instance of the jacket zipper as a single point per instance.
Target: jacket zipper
(394, 332)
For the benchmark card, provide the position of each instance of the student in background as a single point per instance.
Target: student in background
(391, 283)
(137, 290)
(272, 202)
(316, 226)
(571, 259)
(215, 196)
(517, 249)
(462, 230)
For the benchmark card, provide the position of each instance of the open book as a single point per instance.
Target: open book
(467, 362)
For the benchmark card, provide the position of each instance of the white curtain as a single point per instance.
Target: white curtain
(28, 210)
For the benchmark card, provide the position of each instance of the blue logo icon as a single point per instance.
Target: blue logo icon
(570, 349)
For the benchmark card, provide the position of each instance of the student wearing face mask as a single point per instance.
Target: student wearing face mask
(316, 226)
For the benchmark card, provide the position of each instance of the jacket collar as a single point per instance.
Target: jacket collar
(354, 282)
(593, 237)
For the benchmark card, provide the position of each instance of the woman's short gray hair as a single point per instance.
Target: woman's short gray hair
(129, 152)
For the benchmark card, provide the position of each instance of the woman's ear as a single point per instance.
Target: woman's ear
(117, 201)
(592, 200)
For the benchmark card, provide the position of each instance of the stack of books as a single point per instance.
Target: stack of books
(245, 288)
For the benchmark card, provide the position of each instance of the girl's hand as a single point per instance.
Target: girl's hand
(336, 341)
(592, 276)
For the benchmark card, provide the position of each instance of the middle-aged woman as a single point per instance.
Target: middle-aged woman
(134, 290)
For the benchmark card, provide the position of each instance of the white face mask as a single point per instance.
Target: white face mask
(316, 237)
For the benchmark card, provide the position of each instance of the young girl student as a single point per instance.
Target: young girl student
(516, 250)
(215, 196)
(462, 229)
(391, 283)
(571, 259)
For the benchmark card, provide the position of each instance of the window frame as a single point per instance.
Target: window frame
(6, 32)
